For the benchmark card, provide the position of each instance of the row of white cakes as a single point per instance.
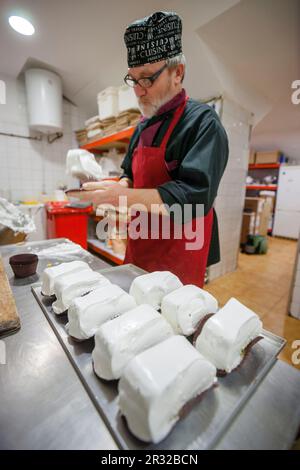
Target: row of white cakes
(160, 370)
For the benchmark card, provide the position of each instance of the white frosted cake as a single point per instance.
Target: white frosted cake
(157, 383)
(86, 314)
(67, 287)
(185, 307)
(226, 334)
(50, 275)
(119, 340)
(151, 288)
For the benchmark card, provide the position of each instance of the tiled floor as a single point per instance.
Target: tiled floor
(262, 282)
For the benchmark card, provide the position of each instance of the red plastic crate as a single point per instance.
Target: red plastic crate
(67, 222)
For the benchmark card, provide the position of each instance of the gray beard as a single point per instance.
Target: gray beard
(149, 110)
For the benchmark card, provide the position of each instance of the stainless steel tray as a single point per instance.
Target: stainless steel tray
(207, 421)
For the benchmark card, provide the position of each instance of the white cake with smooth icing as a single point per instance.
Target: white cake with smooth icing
(157, 383)
(185, 307)
(121, 339)
(50, 275)
(226, 334)
(86, 314)
(151, 288)
(67, 287)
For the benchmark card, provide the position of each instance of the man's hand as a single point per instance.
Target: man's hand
(126, 182)
(105, 184)
(100, 193)
(109, 192)
(94, 185)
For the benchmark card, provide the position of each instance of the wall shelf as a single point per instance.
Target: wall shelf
(258, 166)
(117, 140)
(258, 187)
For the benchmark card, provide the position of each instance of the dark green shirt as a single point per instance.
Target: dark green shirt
(198, 148)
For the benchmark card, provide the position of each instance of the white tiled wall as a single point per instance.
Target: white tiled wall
(28, 167)
(295, 299)
(231, 194)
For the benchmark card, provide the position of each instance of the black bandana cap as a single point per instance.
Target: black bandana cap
(154, 38)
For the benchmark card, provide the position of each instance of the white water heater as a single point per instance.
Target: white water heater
(44, 100)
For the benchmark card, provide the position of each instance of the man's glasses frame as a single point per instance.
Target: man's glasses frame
(144, 82)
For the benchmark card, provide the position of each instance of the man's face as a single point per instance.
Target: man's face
(161, 91)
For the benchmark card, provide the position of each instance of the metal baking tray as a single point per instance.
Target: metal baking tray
(208, 419)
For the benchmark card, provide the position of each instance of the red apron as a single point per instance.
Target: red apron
(149, 171)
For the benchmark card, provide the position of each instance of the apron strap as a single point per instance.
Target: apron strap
(177, 115)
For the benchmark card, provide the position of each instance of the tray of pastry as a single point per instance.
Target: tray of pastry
(208, 418)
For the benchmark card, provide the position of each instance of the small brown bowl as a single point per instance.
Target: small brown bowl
(24, 265)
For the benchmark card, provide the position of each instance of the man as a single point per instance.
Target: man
(177, 155)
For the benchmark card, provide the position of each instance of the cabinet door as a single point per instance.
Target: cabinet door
(288, 195)
(287, 224)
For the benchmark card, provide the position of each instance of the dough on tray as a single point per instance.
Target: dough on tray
(86, 314)
(185, 307)
(158, 383)
(50, 275)
(121, 339)
(151, 288)
(67, 287)
(225, 335)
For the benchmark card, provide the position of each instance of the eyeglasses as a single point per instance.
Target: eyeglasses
(145, 82)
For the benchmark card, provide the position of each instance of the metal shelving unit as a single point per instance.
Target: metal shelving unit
(254, 189)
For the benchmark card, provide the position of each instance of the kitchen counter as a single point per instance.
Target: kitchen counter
(45, 406)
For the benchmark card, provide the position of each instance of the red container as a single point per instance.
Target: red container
(67, 222)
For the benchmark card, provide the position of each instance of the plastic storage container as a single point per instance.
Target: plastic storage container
(127, 99)
(67, 222)
(108, 106)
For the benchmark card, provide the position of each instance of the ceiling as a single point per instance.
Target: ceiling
(248, 49)
(257, 60)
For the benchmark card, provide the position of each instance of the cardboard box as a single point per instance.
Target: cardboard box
(265, 217)
(9, 237)
(119, 246)
(247, 226)
(267, 157)
(252, 156)
(262, 209)
(254, 204)
(270, 199)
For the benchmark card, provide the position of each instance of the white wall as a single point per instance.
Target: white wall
(294, 307)
(288, 143)
(28, 167)
(230, 199)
